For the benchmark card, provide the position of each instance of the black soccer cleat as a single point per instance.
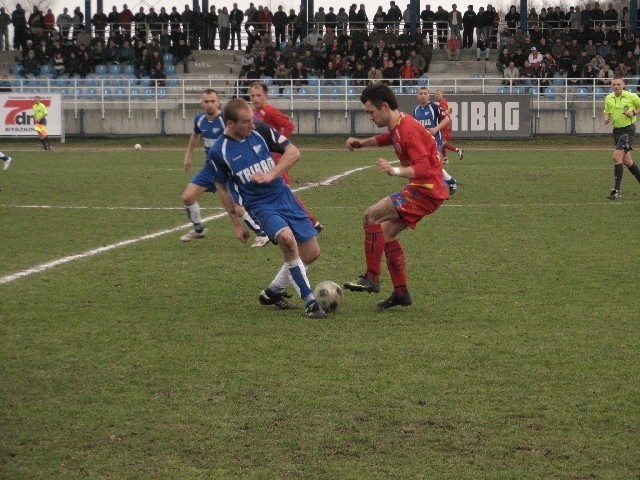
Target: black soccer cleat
(314, 310)
(363, 284)
(276, 299)
(614, 195)
(395, 300)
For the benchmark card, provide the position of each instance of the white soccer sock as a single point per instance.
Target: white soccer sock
(282, 279)
(193, 212)
(447, 177)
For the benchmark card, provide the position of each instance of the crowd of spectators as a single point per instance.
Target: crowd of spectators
(287, 47)
(581, 53)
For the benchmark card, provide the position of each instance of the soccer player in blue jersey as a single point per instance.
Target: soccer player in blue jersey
(431, 117)
(6, 159)
(242, 160)
(209, 125)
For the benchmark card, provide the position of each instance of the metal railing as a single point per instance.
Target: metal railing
(120, 93)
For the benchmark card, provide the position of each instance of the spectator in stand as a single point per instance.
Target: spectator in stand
(58, 65)
(236, 16)
(5, 21)
(211, 26)
(482, 48)
(512, 18)
(49, 22)
(503, 60)
(417, 60)
(78, 21)
(282, 77)
(621, 70)
(428, 17)
(469, 20)
(127, 55)
(36, 22)
(535, 58)
(394, 17)
(605, 75)
(224, 25)
(72, 64)
(631, 63)
(455, 20)
(125, 19)
(374, 74)
(181, 53)
(299, 74)
(19, 21)
(280, 22)
(86, 63)
(408, 73)
(453, 48)
(30, 64)
(527, 74)
(99, 22)
(112, 18)
(574, 75)
(82, 36)
(564, 62)
(604, 49)
(157, 74)
(442, 26)
(426, 51)
(319, 19)
(510, 73)
(591, 49)
(390, 73)
(589, 74)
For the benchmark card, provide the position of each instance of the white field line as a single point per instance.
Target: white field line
(90, 253)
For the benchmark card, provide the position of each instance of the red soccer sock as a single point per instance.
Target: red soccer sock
(306, 210)
(448, 146)
(397, 266)
(373, 249)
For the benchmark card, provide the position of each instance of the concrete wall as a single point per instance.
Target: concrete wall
(171, 119)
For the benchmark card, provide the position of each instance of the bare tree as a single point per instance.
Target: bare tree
(27, 5)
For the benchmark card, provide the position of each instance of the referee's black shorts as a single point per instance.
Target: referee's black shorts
(623, 137)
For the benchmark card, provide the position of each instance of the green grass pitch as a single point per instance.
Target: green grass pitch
(127, 354)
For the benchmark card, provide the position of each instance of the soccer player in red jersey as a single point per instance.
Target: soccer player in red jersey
(425, 191)
(446, 130)
(263, 112)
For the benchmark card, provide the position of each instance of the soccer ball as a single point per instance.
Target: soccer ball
(329, 295)
(137, 146)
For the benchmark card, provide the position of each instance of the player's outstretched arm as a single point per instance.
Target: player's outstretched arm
(229, 205)
(355, 143)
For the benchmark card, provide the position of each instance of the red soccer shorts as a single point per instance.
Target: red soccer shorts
(413, 204)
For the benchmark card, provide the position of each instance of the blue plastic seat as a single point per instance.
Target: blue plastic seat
(168, 59)
(600, 92)
(91, 92)
(148, 93)
(550, 93)
(114, 69)
(286, 93)
(398, 90)
(145, 82)
(335, 92)
(582, 92)
(46, 69)
(162, 92)
(116, 82)
(101, 70)
(534, 91)
(173, 82)
(502, 90)
(303, 92)
(169, 69)
(17, 69)
(129, 69)
(518, 90)
(559, 82)
(119, 94)
(313, 81)
(134, 92)
(268, 80)
(352, 93)
(413, 90)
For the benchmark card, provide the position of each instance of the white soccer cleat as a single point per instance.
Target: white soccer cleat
(260, 241)
(460, 153)
(192, 234)
(7, 163)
